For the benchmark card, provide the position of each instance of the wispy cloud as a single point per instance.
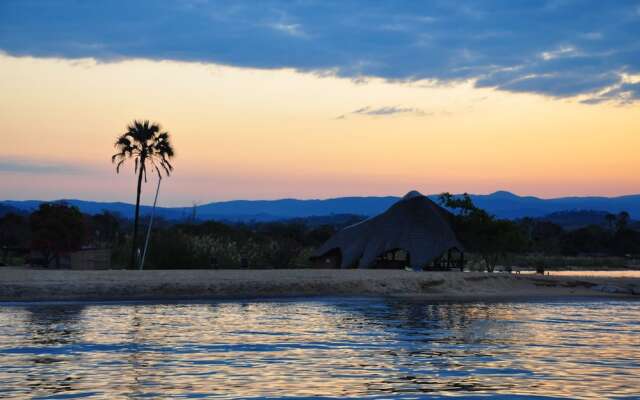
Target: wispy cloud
(386, 112)
(564, 51)
(289, 29)
(42, 167)
(624, 93)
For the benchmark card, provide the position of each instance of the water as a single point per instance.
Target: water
(601, 274)
(339, 347)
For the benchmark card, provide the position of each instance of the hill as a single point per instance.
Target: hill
(502, 204)
(6, 209)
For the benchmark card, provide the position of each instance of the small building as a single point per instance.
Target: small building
(414, 232)
(85, 258)
(90, 258)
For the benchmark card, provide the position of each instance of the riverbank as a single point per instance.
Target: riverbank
(42, 285)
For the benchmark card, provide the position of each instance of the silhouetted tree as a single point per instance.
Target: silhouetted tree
(463, 205)
(622, 220)
(611, 218)
(546, 237)
(56, 229)
(104, 227)
(149, 148)
(14, 233)
(481, 232)
(626, 241)
(590, 239)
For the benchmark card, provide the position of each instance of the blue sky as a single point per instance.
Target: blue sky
(559, 48)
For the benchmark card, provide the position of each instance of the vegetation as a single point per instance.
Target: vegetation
(481, 233)
(214, 245)
(150, 149)
(56, 228)
(15, 234)
(531, 242)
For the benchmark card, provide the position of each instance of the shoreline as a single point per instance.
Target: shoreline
(31, 285)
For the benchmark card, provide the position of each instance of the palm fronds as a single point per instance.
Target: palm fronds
(144, 142)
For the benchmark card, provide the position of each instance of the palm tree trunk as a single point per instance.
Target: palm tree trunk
(134, 241)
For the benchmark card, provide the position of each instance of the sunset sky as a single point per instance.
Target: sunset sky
(322, 99)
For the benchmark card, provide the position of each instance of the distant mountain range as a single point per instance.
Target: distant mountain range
(502, 204)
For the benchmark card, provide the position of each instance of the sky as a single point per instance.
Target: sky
(320, 99)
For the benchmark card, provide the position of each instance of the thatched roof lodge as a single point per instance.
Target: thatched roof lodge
(413, 232)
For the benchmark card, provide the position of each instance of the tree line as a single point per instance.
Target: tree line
(56, 228)
(493, 239)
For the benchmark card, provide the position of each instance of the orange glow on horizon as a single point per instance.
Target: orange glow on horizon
(247, 133)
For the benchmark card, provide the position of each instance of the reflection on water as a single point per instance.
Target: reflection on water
(603, 274)
(329, 347)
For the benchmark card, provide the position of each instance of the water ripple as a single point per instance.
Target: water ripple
(329, 348)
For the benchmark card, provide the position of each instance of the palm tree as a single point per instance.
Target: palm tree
(149, 148)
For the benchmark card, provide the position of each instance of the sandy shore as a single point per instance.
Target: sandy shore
(35, 285)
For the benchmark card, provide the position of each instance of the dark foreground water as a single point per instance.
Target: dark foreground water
(329, 348)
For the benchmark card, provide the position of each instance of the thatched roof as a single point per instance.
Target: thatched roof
(415, 224)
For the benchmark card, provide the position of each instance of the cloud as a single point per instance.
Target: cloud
(566, 51)
(289, 29)
(555, 48)
(385, 112)
(42, 167)
(623, 93)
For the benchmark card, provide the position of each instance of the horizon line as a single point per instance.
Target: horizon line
(317, 199)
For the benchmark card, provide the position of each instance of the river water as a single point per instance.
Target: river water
(600, 274)
(333, 347)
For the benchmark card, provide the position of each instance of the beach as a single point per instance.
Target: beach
(18, 284)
